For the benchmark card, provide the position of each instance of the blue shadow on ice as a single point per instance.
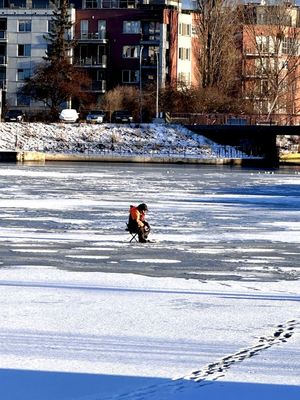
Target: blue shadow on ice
(43, 385)
(47, 385)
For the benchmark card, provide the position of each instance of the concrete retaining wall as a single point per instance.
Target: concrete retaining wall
(32, 156)
(47, 157)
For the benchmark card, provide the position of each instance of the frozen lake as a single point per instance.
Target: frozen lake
(70, 330)
(209, 223)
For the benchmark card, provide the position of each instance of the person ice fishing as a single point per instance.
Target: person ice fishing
(137, 222)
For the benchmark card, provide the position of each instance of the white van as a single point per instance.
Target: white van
(69, 115)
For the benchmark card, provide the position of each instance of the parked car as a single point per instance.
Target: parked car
(69, 115)
(95, 117)
(14, 116)
(121, 116)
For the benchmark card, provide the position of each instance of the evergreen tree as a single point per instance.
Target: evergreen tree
(60, 44)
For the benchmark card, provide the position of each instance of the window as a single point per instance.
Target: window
(262, 88)
(131, 27)
(151, 30)
(130, 76)
(101, 29)
(261, 18)
(23, 73)
(184, 29)
(184, 78)
(184, 54)
(40, 3)
(19, 3)
(289, 46)
(23, 100)
(91, 4)
(25, 25)
(24, 50)
(263, 44)
(264, 66)
(84, 28)
(130, 51)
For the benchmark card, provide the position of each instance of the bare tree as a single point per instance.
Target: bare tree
(271, 41)
(121, 98)
(216, 26)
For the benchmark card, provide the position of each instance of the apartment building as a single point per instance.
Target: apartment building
(119, 42)
(133, 43)
(270, 70)
(22, 45)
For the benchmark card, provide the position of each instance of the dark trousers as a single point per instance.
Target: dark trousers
(142, 231)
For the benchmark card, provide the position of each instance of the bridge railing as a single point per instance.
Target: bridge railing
(232, 119)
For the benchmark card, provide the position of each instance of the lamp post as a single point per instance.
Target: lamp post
(157, 82)
(141, 87)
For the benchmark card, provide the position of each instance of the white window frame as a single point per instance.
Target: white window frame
(24, 25)
(84, 28)
(26, 49)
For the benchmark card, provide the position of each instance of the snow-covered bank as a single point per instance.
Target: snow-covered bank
(151, 139)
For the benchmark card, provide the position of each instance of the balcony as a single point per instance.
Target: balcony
(88, 4)
(258, 73)
(251, 52)
(97, 87)
(92, 37)
(150, 39)
(149, 62)
(98, 62)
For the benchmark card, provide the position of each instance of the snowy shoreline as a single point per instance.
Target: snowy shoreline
(173, 143)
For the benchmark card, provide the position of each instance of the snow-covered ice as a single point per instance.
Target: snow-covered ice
(210, 310)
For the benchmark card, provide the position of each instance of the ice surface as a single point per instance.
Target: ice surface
(210, 310)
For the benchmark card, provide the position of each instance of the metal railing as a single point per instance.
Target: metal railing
(92, 61)
(91, 36)
(227, 119)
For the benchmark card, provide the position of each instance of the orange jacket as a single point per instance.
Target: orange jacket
(136, 215)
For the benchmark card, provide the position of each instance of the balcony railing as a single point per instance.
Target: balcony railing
(87, 4)
(150, 38)
(92, 61)
(149, 62)
(92, 36)
(97, 86)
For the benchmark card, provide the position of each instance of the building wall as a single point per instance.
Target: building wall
(184, 72)
(33, 43)
(154, 44)
(263, 47)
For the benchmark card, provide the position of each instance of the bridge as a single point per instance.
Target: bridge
(257, 140)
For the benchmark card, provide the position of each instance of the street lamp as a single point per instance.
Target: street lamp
(157, 81)
(141, 88)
